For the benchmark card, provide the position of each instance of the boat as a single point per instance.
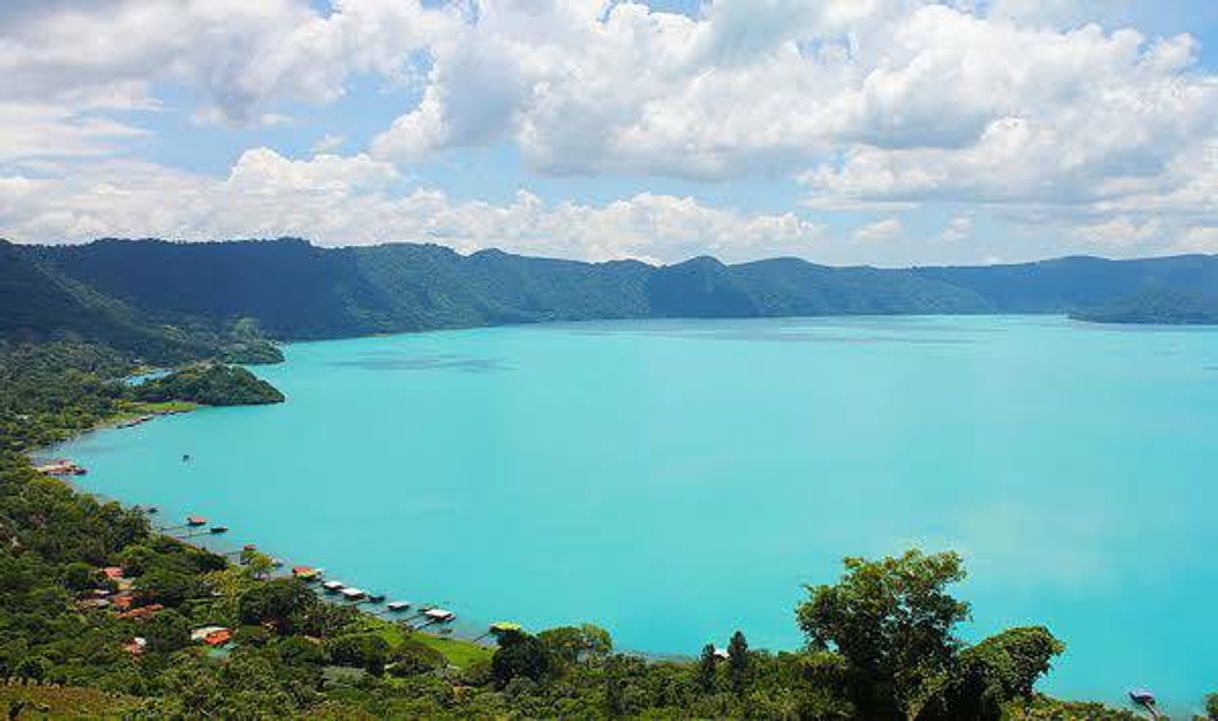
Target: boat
(152, 509)
(353, 594)
(196, 521)
(333, 586)
(276, 563)
(306, 573)
(218, 529)
(506, 627)
(397, 606)
(376, 597)
(439, 615)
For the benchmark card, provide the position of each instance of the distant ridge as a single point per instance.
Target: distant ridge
(294, 290)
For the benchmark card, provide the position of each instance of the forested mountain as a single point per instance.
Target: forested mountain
(129, 293)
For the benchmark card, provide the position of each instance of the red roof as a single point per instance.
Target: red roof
(113, 571)
(218, 638)
(141, 613)
(122, 600)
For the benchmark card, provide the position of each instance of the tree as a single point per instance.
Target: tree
(519, 654)
(79, 576)
(367, 650)
(258, 564)
(167, 586)
(738, 663)
(1211, 706)
(568, 645)
(893, 622)
(706, 669)
(167, 631)
(281, 601)
(1002, 668)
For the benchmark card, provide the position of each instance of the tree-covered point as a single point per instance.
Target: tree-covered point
(209, 384)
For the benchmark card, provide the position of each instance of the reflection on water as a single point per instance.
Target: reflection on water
(440, 361)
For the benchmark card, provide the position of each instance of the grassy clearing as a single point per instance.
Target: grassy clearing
(135, 409)
(460, 653)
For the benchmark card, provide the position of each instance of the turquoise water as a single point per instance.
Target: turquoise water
(676, 480)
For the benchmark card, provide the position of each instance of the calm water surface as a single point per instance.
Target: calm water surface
(677, 480)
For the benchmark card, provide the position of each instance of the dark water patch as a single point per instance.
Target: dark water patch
(439, 361)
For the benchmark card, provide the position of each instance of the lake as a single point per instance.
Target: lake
(676, 480)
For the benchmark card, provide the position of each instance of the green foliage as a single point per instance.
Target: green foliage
(412, 658)
(366, 650)
(285, 603)
(520, 655)
(1002, 668)
(708, 665)
(211, 384)
(167, 631)
(893, 621)
(738, 665)
(1211, 706)
(569, 645)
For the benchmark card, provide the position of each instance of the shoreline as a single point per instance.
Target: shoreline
(365, 608)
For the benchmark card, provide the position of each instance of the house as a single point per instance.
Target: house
(135, 646)
(114, 573)
(143, 613)
(211, 635)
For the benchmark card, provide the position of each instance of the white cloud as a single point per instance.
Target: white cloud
(358, 200)
(1202, 239)
(882, 230)
(1117, 233)
(960, 228)
(889, 101)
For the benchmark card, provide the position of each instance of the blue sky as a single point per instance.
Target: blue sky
(896, 132)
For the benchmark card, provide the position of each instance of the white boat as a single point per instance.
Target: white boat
(333, 586)
(352, 594)
(440, 615)
(397, 606)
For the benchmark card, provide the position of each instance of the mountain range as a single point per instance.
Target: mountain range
(169, 301)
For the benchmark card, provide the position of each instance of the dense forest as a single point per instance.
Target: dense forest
(169, 302)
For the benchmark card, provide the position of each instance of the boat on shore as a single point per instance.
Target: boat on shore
(439, 615)
(353, 594)
(398, 606)
(333, 586)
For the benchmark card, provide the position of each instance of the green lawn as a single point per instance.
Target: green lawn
(459, 653)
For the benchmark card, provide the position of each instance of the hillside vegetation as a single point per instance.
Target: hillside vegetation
(190, 300)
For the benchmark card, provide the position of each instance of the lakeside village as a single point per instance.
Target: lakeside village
(117, 593)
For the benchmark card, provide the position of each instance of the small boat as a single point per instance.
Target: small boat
(249, 547)
(276, 563)
(196, 521)
(1142, 697)
(218, 529)
(376, 597)
(353, 594)
(152, 509)
(306, 573)
(506, 627)
(397, 606)
(333, 586)
(439, 615)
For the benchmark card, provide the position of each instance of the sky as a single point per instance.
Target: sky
(879, 132)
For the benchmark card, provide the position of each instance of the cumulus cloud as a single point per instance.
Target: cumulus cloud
(960, 228)
(1044, 107)
(882, 230)
(887, 101)
(238, 54)
(358, 200)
